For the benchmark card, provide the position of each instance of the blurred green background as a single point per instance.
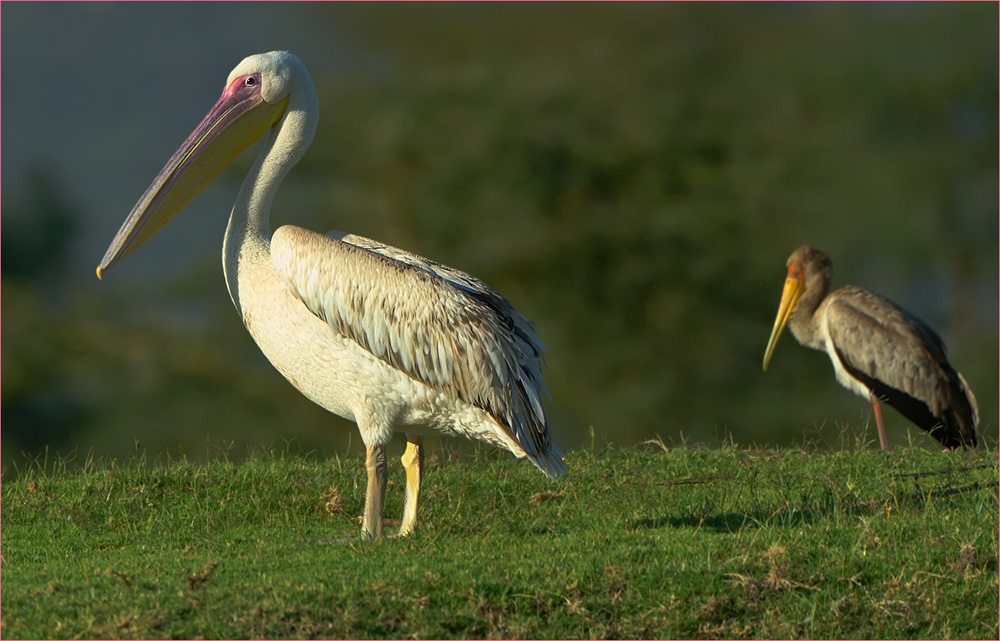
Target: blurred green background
(631, 177)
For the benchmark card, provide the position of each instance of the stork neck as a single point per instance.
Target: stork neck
(802, 321)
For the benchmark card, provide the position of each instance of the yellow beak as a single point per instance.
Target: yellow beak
(789, 297)
(238, 118)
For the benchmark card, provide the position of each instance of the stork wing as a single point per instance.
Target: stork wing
(884, 343)
(438, 325)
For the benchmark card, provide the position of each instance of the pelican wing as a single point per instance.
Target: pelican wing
(439, 325)
(884, 343)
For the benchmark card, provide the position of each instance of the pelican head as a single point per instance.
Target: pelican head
(254, 102)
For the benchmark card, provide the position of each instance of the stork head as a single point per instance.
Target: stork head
(806, 269)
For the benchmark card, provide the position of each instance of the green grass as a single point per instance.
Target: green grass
(641, 542)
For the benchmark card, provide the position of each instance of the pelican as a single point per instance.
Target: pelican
(375, 334)
(878, 349)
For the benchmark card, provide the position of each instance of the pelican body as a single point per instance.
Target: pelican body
(878, 349)
(374, 334)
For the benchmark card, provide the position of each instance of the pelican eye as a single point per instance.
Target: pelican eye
(250, 82)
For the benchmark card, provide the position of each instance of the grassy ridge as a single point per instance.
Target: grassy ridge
(641, 542)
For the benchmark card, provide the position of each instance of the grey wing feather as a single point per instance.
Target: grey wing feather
(885, 342)
(439, 325)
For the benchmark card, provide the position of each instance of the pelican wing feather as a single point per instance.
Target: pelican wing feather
(437, 324)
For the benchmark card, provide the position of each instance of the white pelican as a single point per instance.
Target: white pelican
(374, 334)
(878, 349)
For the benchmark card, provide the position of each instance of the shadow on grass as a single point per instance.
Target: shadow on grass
(791, 516)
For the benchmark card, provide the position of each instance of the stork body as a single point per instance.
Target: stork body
(379, 336)
(878, 349)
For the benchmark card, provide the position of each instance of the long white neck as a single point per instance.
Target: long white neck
(248, 236)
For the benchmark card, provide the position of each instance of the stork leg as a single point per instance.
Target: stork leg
(883, 438)
(371, 522)
(413, 462)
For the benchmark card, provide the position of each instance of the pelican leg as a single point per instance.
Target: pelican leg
(413, 462)
(371, 523)
(883, 438)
